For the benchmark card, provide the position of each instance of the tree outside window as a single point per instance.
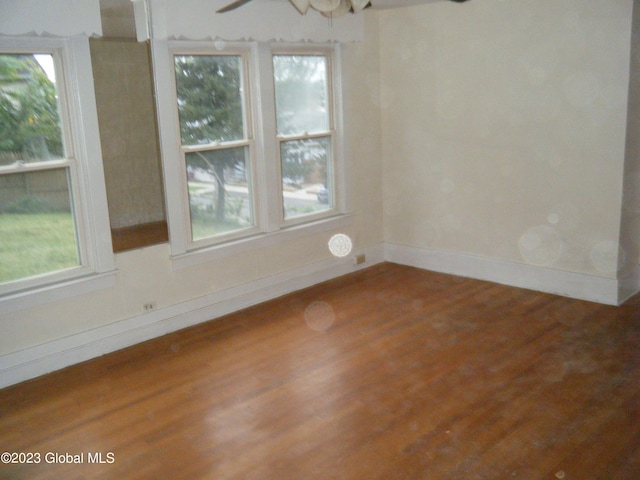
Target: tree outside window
(214, 141)
(254, 131)
(29, 116)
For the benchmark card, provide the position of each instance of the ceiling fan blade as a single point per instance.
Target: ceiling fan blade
(325, 6)
(342, 9)
(358, 5)
(233, 6)
(301, 5)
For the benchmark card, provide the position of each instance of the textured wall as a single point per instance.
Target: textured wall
(127, 121)
(361, 94)
(117, 19)
(504, 129)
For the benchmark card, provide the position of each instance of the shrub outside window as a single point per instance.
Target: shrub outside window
(37, 222)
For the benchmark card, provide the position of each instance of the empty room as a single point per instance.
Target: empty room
(320, 239)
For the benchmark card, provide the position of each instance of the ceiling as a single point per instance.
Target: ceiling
(383, 4)
(380, 4)
(116, 13)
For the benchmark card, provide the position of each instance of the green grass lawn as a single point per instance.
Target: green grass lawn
(206, 228)
(33, 244)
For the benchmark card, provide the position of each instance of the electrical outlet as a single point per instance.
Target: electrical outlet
(147, 307)
(359, 259)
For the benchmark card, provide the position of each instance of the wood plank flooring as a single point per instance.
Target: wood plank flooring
(389, 373)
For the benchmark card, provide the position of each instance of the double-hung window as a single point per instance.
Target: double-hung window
(256, 142)
(304, 118)
(53, 218)
(215, 132)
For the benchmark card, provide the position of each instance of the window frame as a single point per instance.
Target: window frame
(271, 228)
(329, 54)
(83, 161)
(247, 142)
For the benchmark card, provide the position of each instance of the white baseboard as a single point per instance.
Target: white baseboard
(57, 354)
(558, 282)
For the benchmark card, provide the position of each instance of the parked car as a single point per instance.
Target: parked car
(323, 195)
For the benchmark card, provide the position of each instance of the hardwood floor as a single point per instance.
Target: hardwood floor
(389, 373)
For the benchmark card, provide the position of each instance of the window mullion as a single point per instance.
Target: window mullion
(215, 146)
(268, 159)
(20, 167)
(305, 136)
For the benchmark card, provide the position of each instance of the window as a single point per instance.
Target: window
(44, 226)
(215, 145)
(249, 141)
(304, 128)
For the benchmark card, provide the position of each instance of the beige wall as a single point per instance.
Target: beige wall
(630, 229)
(362, 120)
(503, 129)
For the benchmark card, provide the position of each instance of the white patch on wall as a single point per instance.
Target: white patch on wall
(604, 257)
(541, 245)
(553, 218)
(565, 216)
(340, 245)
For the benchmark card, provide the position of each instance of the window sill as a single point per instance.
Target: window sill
(37, 296)
(263, 240)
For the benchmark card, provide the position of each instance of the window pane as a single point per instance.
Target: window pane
(36, 224)
(220, 197)
(210, 98)
(305, 189)
(29, 113)
(301, 94)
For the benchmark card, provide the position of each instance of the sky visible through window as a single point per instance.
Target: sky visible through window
(46, 62)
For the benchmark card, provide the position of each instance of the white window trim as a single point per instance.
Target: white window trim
(243, 52)
(91, 211)
(271, 227)
(332, 72)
